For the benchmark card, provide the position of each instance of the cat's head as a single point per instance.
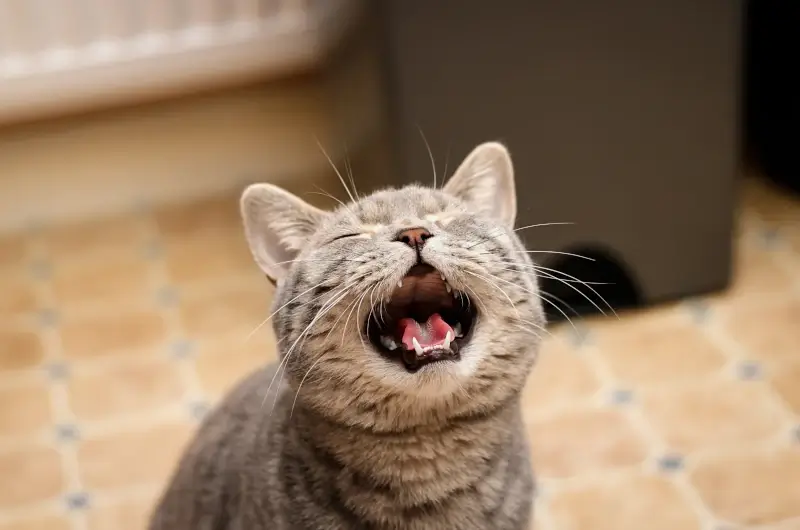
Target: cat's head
(405, 302)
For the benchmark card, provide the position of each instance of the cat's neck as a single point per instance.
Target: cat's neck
(412, 454)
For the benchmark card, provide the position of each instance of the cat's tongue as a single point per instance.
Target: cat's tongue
(430, 333)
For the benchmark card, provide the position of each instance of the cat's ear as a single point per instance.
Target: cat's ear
(485, 180)
(277, 225)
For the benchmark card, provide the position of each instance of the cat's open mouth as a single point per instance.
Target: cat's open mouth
(424, 322)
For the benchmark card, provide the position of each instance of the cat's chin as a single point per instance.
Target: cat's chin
(425, 324)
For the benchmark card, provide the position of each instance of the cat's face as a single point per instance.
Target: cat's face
(405, 301)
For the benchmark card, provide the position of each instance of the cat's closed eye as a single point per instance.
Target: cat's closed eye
(343, 236)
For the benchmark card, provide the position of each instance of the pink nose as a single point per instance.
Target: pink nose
(414, 237)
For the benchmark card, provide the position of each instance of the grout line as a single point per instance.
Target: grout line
(657, 446)
(59, 396)
(161, 280)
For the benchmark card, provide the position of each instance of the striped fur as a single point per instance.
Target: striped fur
(340, 438)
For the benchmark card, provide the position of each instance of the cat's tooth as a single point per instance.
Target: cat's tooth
(447, 286)
(447, 339)
(388, 343)
(442, 275)
(417, 347)
(457, 329)
(400, 284)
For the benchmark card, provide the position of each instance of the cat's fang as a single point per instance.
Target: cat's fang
(457, 330)
(447, 339)
(447, 286)
(400, 284)
(417, 347)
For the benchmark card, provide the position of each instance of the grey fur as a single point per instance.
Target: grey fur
(351, 440)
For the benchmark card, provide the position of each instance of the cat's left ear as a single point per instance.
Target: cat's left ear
(278, 225)
(485, 180)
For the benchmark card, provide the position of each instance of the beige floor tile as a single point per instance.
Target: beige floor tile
(24, 408)
(20, 349)
(633, 503)
(124, 388)
(757, 274)
(115, 331)
(584, 441)
(768, 330)
(119, 279)
(19, 294)
(662, 352)
(209, 258)
(201, 218)
(134, 457)
(751, 489)
(38, 522)
(124, 514)
(222, 365)
(234, 311)
(13, 250)
(785, 379)
(30, 475)
(561, 377)
(125, 233)
(712, 415)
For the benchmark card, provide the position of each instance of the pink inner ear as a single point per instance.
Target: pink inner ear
(432, 333)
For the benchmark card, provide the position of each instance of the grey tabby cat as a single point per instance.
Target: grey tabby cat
(407, 324)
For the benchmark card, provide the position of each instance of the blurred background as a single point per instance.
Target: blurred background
(665, 132)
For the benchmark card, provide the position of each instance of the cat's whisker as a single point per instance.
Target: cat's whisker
(558, 252)
(349, 314)
(545, 275)
(303, 380)
(544, 296)
(250, 335)
(343, 292)
(532, 268)
(490, 282)
(543, 270)
(319, 358)
(539, 225)
(338, 174)
(535, 268)
(358, 320)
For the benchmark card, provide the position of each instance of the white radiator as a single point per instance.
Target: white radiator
(63, 55)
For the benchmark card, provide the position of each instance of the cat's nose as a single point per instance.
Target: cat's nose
(414, 237)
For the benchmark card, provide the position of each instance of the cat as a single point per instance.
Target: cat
(407, 324)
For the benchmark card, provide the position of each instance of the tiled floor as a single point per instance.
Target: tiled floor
(117, 335)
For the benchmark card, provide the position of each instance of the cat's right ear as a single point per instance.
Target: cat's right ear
(277, 225)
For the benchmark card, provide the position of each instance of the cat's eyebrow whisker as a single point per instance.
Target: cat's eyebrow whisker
(326, 194)
(446, 160)
(338, 174)
(430, 154)
(349, 170)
